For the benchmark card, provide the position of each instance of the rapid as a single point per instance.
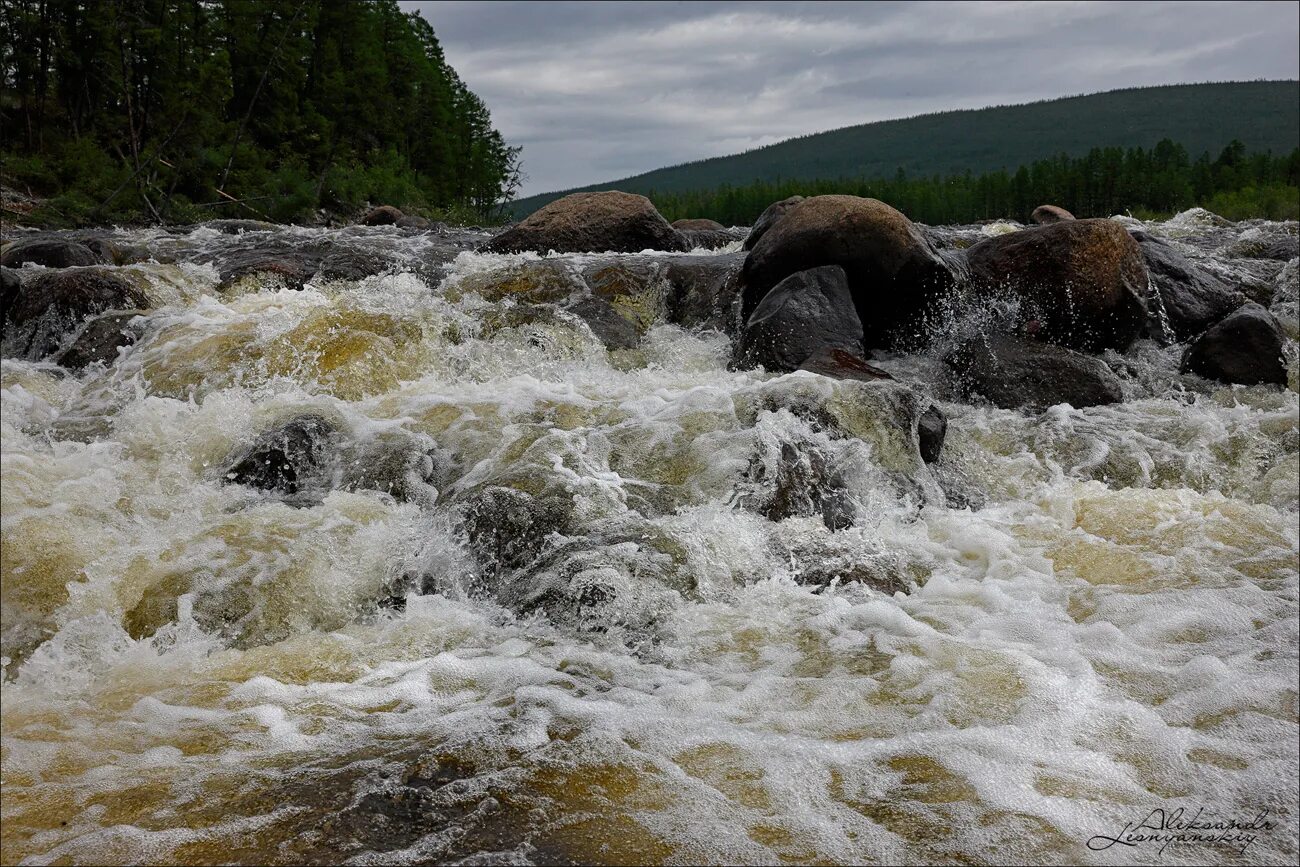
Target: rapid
(1070, 620)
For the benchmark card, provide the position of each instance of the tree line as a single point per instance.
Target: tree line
(1107, 181)
(177, 110)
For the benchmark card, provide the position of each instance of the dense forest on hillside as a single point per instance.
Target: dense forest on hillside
(1107, 181)
(172, 109)
(1201, 117)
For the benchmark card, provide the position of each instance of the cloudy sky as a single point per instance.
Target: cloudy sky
(598, 91)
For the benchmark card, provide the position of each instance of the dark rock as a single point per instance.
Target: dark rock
(1014, 372)
(395, 463)
(1084, 281)
(1192, 297)
(1045, 215)
(288, 459)
(507, 528)
(842, 364)
(797, 481)
(100, 339)
(293, 262)
(806, 314)
(605, 322)
(705, 233)
(1278, 249)
(1245, 348)
(47, 306)
(698, 225)
(238, 227)
(769, 218)
(50, 252)
(10, 284)
(705, 291)
(422, 224)
(352, 263)
(590, 223)
(384, 215)
(931, 429)
(895, 274)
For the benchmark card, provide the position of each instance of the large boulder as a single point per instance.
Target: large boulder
(895, 273)
(50, 252)
(290, 458)
(1046, 215)
(1191, 297)
(45, 307)
(384, 215)
(1244, 348)
(100, 338)
(1084, 281)
(708, 234)
(1016, 372)
(769, 218)
(807, 313)
(590, 223)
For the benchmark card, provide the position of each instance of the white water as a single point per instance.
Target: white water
(200, 673)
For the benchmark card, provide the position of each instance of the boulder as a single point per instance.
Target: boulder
(895, 274)
(1191, 297)
(384, 215)
(769, 218)
(704, 233)
(288, 459)
(795, 478)
(1244, 348)
(698, 225)
(507, 528)
(1015, 372)
(842, 364)
(1279, 249)
(704, 291)
(418, 223)
(1084, 281)
(605, 322)
(590, 223)
(50, 252)
(46, 307)
(10, 284)
(99, 340)
(806, 314)
(931, 429)
(1045, 215)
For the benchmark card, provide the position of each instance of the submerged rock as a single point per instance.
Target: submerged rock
(895, 273)
(769, 218)
(1245, 348)
(807, 314)
(51, 252)
(590, 223)
(1015, 372)
(708, 234)
(100, 339)
(507, 528)
(1085, 281)
(797, 479)
(1045, 215)
(384, 215)
(44, 308)
(931, 429)
(605, 322)
(1192, 297)
(289, 458)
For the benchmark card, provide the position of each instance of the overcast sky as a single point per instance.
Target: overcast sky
(598, 91)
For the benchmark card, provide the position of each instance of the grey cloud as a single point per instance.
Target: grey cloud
(596, 91)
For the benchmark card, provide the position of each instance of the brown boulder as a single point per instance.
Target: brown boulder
(46, 307)
(590, 223)
(1046, 215)
(895, 272)
(766, 220)
(1084, 281)
(698, 225)
(52, 252)
(384, 215)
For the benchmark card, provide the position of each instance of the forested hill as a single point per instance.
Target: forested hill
(1265, 115)
(169, 109)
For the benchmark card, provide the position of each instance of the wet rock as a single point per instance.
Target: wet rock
(238, 227)
(353, 263)
(797, 479)
(842, 364)
(1084, 281)
(806, 314)
(698, 225)
(878, 573)
(291, 262)
(291, 458)
(1045, 215)
(931, 429)
(708, 234)
(1245, 348)
(769, 218)
(10, 283)
(704, 291)
(100, 339)
(46, 307)
(421, 224)
(1016, 372)
(590, 223)
(384, 215)
(1282, 248)
(612, 329)
(507, 528)
(895, 274)
(1192, 297)
(50, 252)
(396, 463)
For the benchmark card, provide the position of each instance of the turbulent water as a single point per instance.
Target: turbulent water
(1073, 619)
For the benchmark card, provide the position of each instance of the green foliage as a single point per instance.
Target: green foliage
(1106, 181)
(1264, 114)
(168, 109)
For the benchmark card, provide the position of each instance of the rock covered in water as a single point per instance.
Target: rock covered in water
(51, 252)
(610, 328)
(1192, 297)
(795, 478)
(931, 430)
(43, 308)
(895, 274)
(289, 458)
(1016, 372)
(590, 223)
(807, 314)
(1244, 348)
(507, 528)
(1045, 215)
(769, 218)
(708, 234)
(100, 339)
(842, 364)
(384, 215)
(1084, 281)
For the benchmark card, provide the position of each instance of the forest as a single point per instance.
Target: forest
(1107, 181)
(183, 110)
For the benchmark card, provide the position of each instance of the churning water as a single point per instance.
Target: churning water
(1072, 620)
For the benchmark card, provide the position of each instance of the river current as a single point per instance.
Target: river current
(1073, 619)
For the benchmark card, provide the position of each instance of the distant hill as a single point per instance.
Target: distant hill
(1265, 115)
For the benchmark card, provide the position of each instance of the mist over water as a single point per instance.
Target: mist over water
(1072, 619)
